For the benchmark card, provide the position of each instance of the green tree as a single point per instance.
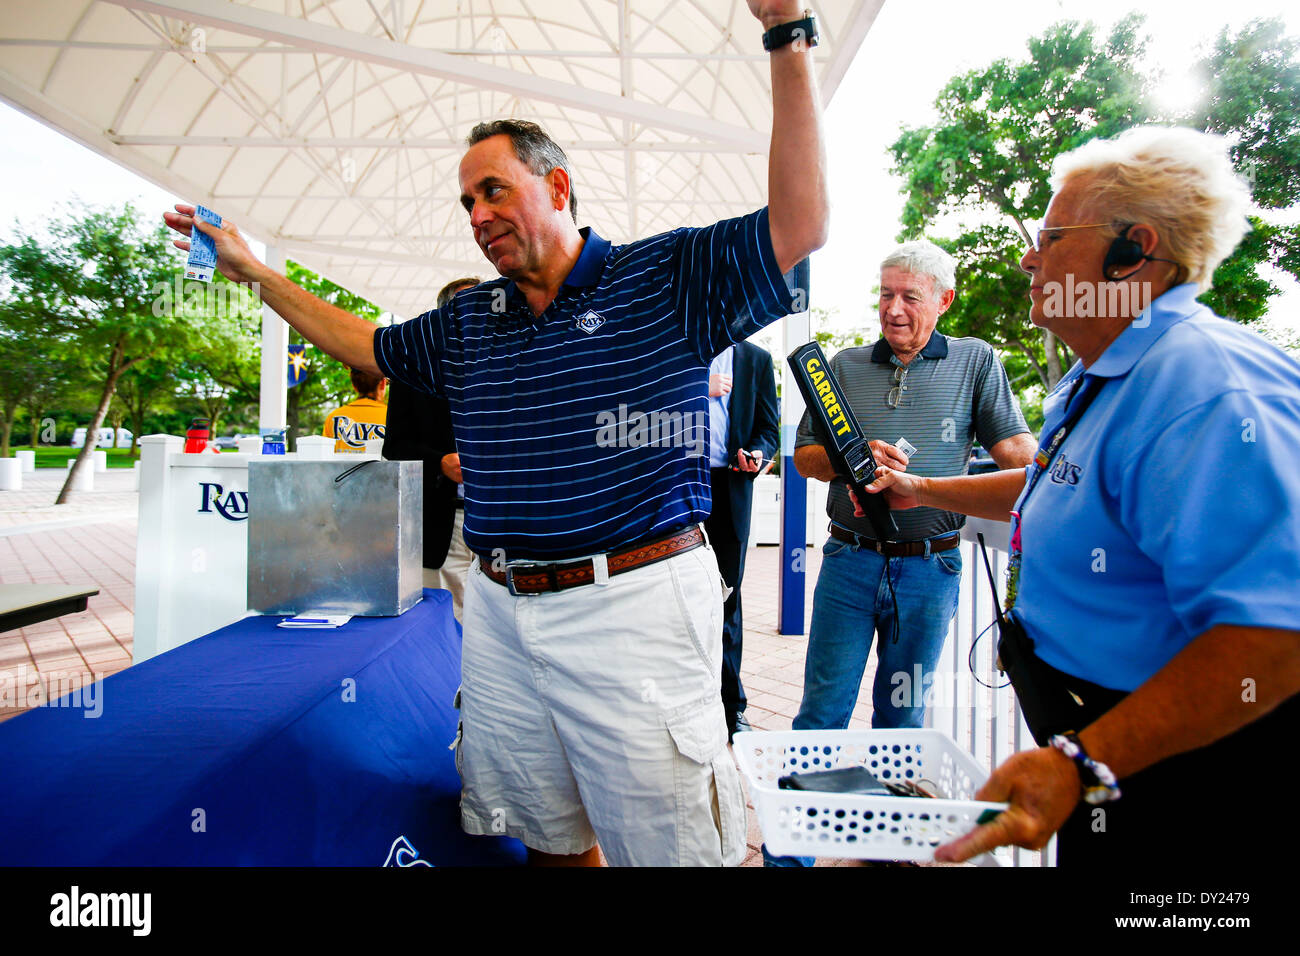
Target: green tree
(67, 375)
(989, 155)
(990, 152)
(1252, 83)
(328, 383)
(40, 365)
(96, 279)
(28, 365)
(220, 366)
(143, 388)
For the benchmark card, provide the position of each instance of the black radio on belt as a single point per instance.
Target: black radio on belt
(838, 430)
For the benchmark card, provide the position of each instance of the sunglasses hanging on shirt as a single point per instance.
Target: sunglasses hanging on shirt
(895, 396)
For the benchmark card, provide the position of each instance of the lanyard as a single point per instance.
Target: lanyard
(1085, 389)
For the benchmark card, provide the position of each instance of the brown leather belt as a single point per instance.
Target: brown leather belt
(897, 549)
(541, 578)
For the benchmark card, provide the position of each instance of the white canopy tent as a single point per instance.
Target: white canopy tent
(332, 129)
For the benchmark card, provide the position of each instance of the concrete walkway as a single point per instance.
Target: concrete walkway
(22, 511)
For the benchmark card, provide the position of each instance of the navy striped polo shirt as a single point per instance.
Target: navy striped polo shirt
(586, 428)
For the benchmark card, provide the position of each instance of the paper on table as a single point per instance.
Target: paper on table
(316, 621)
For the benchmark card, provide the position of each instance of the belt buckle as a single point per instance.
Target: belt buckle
(535, 568)
(879, 547)
(510, 581)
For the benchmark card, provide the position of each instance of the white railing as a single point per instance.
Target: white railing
(971, 699)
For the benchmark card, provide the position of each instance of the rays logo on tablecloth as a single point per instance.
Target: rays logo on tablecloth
(403, 854)
(297, 365)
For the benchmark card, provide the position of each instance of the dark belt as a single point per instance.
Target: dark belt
(897, 549)
(541, 578)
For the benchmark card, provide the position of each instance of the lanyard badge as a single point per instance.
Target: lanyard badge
(1013, 563)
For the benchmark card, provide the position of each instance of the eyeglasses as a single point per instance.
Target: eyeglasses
(1036, 234)
(895, 396)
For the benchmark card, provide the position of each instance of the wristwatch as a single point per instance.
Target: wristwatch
(804, 30)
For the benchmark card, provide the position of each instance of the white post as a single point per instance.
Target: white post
(151, 537)
(192, 545)
(28, 458)
(315, 447)
(11, 474)
(85, 477)
(273, 410)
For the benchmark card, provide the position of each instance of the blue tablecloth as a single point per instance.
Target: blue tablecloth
(254, 745)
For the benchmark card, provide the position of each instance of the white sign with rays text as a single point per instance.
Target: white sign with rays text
(192, 548)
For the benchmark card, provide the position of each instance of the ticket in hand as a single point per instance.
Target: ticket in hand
(203, 251)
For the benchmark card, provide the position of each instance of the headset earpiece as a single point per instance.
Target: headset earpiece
(1123, 252)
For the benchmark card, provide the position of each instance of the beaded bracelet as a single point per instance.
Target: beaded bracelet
(1099, 784)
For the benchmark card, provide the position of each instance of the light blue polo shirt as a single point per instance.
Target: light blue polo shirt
(1173, 505)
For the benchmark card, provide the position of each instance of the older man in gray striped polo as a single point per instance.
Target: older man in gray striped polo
(914, 387)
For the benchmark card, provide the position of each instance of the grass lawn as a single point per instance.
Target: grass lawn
(56, 456)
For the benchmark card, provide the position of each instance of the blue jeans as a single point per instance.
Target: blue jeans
(850, 604)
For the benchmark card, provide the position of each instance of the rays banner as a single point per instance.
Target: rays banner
(297, 365)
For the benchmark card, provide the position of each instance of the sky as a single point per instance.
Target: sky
(912, 50)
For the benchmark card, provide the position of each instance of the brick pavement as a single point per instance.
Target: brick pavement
(88, 541)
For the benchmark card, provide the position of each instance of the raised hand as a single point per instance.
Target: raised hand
(773, 12)
(235, 260)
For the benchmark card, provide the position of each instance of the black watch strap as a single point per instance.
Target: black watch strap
(785, 33)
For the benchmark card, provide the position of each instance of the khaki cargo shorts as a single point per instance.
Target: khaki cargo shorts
(595, 714)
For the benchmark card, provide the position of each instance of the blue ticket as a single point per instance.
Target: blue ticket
(203, 251)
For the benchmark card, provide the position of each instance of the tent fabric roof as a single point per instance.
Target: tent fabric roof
(332, 129)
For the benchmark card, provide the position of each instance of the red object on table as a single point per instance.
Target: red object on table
(196, 437)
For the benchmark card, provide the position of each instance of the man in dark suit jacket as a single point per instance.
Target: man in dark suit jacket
(742, 406)
(419, 429)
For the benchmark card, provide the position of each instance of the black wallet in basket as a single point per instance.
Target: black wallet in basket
(842, 780)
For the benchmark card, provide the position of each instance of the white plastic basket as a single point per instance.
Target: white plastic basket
(855, 826)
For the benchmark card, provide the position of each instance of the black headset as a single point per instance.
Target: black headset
(1125, 252)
